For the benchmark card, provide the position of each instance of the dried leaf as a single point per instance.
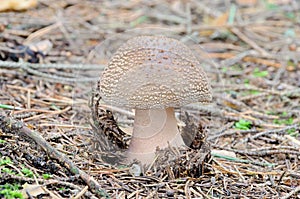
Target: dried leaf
(17, 5)
(219, 21)
(246, 2)
(33, 189)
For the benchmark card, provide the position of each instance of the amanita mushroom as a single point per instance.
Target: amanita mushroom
(154, 74)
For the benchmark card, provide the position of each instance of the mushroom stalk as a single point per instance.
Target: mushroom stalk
(153, 128)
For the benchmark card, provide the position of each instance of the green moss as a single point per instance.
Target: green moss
(260, 73)
(10, 191)
(27, 172)
(243, 124)
(5, 161)
(46, 176)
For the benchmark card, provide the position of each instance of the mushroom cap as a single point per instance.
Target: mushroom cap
(154, 72)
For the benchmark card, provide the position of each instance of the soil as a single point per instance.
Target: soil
(58, 139)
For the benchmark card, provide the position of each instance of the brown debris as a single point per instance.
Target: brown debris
(250, 53)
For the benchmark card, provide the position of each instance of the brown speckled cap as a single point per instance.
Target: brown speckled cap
(154, 72)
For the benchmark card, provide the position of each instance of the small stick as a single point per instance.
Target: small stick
(290, 194)
(11, 64)
(10, 125)
(7, 176)
(277, 131)
(243, 37)
(81, 193)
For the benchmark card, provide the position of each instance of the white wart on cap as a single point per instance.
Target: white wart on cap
(154, 72)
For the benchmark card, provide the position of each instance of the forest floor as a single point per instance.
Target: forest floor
(52, 55)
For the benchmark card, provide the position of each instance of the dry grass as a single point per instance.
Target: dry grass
(251, 54)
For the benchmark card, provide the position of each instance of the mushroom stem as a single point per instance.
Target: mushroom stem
(153, 128)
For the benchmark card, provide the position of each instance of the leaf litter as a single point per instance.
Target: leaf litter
(244, 145)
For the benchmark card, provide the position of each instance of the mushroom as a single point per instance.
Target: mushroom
(154, 74)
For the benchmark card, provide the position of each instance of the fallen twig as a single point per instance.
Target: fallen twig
(10, 125)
